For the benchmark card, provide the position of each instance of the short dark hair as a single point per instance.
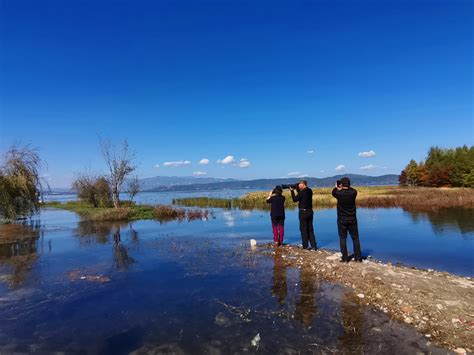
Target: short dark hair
(346, 182)
(304, 182)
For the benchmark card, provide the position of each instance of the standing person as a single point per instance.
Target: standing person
(305, 205)
(347, 218)
(277, 214)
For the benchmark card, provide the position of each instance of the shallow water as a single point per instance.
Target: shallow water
(78, 287)
(162, 197)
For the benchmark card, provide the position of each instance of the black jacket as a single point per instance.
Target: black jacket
(304, 198)
(346, 202)
(277, 205)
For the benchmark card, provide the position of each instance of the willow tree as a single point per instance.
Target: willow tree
(20, 182)
(119, 161)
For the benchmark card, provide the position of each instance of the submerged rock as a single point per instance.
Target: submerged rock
(165, 349)
(221, 319)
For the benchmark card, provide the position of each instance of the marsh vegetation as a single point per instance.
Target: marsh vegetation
(410, 198)
(130, 211)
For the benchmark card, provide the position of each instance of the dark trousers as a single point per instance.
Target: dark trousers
(344, 226)
(306, 228)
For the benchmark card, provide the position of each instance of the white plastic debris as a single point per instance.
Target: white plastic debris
(256, 340)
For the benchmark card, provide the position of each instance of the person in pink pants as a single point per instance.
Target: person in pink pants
(277, 213)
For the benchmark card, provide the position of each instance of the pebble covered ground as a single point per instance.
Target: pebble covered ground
(438, 304)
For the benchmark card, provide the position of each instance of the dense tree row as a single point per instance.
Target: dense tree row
(442, 167)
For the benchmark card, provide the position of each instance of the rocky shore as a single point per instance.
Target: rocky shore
(440, 305)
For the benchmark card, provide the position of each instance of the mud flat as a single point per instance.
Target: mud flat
(438, 304)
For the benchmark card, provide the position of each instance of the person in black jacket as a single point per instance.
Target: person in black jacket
(305, 205)
(277, 214)
(347, 217)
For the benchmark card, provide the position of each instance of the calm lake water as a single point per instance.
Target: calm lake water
(196, 287)
(442, 240)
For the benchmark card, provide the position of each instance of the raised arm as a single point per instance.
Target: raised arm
(295, 198)
(270, 195)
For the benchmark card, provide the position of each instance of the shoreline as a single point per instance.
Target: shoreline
(438, 304)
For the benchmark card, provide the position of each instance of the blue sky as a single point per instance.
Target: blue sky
(263, 81)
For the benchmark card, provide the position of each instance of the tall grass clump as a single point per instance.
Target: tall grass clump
(204, 202)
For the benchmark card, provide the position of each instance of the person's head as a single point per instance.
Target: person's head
(302, 184)
(345, 182)
(277, 190)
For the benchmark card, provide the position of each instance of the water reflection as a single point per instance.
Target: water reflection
(280, 285)
(122, 260)
(352, 320)
(97, 232)
(18, 251)
(305, 307)
(455, 219)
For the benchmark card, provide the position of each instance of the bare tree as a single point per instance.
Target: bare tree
(133, 187)
(120, 165)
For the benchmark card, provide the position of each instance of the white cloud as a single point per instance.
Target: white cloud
(340, 167)
(297, 174)
(204, 161)
(227, 160)
(368, 154)
(177, 163)
(199, 173)
(157, 165)
(372, 167)
(244, 163)
(311, 151)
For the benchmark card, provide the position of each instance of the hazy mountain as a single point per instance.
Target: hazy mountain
(219, 184)
(163, 182)
(192, 183)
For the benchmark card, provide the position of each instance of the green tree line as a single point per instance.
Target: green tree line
(442, 167)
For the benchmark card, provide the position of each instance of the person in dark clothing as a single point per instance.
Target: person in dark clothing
(305, 205)
(347, 218)
(277, 214)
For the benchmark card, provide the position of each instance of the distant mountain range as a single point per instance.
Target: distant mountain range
(161, 183)
(192, 183)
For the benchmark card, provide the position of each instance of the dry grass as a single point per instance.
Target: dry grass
(415, 198)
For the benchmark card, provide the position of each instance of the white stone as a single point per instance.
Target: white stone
(256, 340)
(333, 257)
